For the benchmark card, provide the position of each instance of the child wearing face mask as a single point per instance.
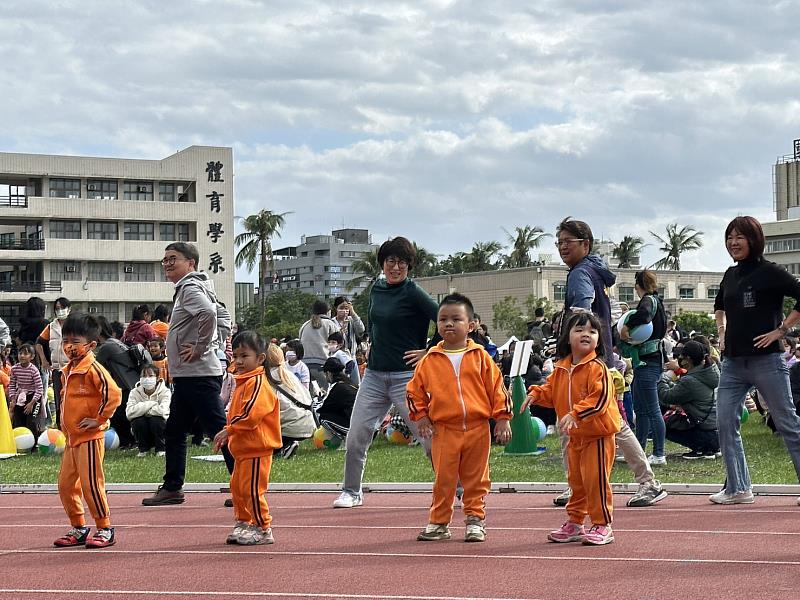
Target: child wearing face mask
(148, 410)
(295, 364)
(335, 343)
(51, 357)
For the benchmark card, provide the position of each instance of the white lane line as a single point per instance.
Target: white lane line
(549, 557)
(404, 528)
(193, 593)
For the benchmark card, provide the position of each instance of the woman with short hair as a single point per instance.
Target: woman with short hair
(314, 337)
(749, 313)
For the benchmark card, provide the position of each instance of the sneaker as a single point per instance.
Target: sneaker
(238, 530)
(434, 532)
(289, 450)
(161, 453)
(74, 537)
(141, 455)
(568, 532)
(657, 460)
(228, 503)
(163, 497)
(694, 455)
(723, 497)
(620, 458)
(346, 500)
(255, 536)
(102, 538)
(476, 530)
(711, 455)
(598, 535)
(648, 494)
(563, 498)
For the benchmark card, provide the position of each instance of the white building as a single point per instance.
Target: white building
(94, 229)
(782, 236)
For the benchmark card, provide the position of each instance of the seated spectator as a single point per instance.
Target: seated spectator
(334, 413)
(297, 420)
(692, 420)
(148, 410)
(139, 330)
(335, 342)
(295, 364)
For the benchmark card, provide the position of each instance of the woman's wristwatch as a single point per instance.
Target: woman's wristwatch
(783, 329)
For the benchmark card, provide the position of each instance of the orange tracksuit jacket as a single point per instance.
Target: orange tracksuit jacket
(586, 391)
(87, 390)
(254, 417)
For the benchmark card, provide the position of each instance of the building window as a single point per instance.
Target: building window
(625, 293)
(65, 230)
(101, 230)
(166, 192)
(65, 270)
(662, 291)
(559, 291)
(109, 310)
(686, 293)
(139, 231)
(103, 271)
(7, 240)
(65, 188)
(174, 232)
(712, 291)
(138, 190)
(101, 189)
(139, 272)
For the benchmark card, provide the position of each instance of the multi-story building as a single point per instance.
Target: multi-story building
(783, 235)
(321, 264)
(94, 229)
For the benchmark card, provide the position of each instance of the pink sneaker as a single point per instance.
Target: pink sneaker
(569, 532)
(598, 535)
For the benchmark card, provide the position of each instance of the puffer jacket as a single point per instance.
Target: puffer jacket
(695, 392)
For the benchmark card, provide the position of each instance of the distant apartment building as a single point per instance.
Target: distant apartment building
(94, 229)
(783, 235)
(322, 264)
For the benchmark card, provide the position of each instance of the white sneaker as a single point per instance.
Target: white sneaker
(161, 453)
(141, 455)
(657, 460)
(346, 500)
(724, 497)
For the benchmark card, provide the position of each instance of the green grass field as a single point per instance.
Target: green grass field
(766, 454)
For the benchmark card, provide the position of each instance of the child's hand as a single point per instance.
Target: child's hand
(425, 428)
(525, 404)
(567, 422)
(29, 408)
(87, 423)
(502, 431)
(220, 439)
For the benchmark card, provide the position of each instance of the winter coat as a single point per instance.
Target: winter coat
(140, 404)
(695, 392)
(138, 332)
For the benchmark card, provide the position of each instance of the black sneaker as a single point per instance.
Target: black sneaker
(290, 449)
(711, 454)
(164, 497)
(228, 503)
(693, 455)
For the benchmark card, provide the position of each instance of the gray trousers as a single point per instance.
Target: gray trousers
(379, 390)
(631, 450)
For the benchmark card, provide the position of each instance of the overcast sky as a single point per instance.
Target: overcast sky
(442, 121)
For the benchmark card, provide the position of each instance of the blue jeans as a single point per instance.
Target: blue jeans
(646, 407)
(379, 390)
(769, 374)
(627, 404)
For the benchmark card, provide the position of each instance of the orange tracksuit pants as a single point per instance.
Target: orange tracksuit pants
(249, 483)
(589, 472)
(82, 473)
(458, 454)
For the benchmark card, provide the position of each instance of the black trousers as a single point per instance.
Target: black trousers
(55, 377)
(149, 433)
(20, 419)
(695, 438)
(192, 398)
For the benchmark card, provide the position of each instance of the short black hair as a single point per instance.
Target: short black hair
(339, 300)
(189, 251)
(459, 299)
(160, 313)
(538, 312)
(580, 318)
(82, 325)
(117, 328)
(320, 307)
(399, 247)
(297, 347)
(751, 229)
(158, 340)
(577, 228)
(337, 337)
(140, 311)
(149, 368)
(27, 348)
(250, 340)
(34, 308)
(62, 302)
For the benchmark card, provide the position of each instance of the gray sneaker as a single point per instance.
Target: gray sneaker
(563, 498)
(254, 535)
(476, 530)
(434, 532)
(648, 494)
(238, 530)
(723, 497)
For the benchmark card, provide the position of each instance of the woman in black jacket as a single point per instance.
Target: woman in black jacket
(749, 315)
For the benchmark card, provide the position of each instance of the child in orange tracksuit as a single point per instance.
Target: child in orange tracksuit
(582, 392)
(455, 390)
(89, 397)
(252, 434)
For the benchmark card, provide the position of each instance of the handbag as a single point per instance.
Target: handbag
(677, 420)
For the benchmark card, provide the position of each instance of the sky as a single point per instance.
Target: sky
(448, 122)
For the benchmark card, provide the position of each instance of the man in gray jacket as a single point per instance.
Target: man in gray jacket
(193, 364)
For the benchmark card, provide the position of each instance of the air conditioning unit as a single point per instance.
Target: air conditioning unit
(93, 310)
(70, 269)
(142, 189)
(128, 269)
(91, 187)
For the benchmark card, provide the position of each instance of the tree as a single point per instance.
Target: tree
(426, 264)
(627, 250)
(676, 242)
(508, 317)
(523, 241)
(454, 263)
(286, 312)
(697, 322)
(256, 245)
(481, 257)
(369, 269)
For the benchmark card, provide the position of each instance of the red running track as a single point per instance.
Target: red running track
(684, 547)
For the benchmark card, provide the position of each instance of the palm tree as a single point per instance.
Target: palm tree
(370, 269)
(256, 245)
(480, 258)
(426, 264)
(676, 242)
(629, 249)
(523, 241)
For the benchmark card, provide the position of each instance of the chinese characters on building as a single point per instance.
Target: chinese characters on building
(215, 231)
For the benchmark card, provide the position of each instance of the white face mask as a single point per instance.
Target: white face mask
(291, 355)
(333, 348)
(148, 383)
(62, 313)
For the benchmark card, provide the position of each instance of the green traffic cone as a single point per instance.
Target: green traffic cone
(523, 436)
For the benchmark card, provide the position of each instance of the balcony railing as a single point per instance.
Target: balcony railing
(30, 286)
(14, 201)
(23, 244)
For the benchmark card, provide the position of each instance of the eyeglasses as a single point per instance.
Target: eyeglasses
(171, 260)
(568, 241)
(396, 262)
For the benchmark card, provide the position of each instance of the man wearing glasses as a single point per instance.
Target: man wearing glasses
(193, 364)
(587, 283)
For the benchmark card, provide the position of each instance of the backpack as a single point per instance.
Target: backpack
(139, 356)
(537, 334)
